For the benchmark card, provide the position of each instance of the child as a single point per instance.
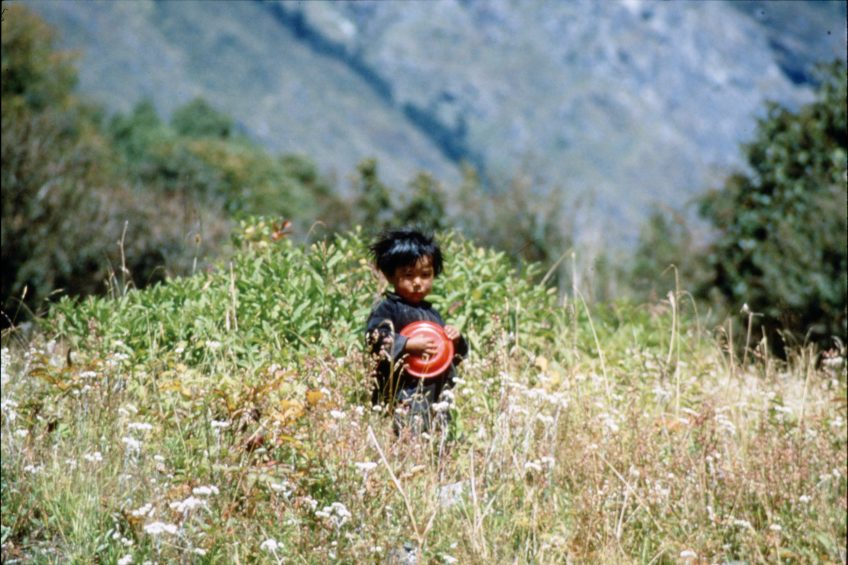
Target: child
(410, 261)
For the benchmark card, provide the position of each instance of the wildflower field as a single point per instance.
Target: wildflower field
(225, 418)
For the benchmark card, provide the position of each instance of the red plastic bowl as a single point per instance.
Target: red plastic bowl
(420, 365)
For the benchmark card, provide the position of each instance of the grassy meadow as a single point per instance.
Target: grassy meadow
(225, 418)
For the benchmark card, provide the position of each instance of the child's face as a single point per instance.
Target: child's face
(415, 281)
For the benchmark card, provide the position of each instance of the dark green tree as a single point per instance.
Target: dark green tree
(426, 206)
(373, 202)
(199, 119)
(34, 74)
(781, 245)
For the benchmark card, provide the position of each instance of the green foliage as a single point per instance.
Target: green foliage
(373, 204)
(34, 75)
(196, 156)
(199, 119)
(65, 206)
(138, 132)
(283, 301)
(75, 184)
(781, 245)
(426, 205)
(524, 216)
(665, 241)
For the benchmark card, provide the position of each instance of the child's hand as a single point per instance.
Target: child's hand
(452, 333)
(421, 345)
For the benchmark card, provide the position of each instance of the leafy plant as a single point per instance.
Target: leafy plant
(781, 228)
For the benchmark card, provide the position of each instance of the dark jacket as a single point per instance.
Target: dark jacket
(382, 332)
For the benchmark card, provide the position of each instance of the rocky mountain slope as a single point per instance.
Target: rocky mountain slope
(627, 103)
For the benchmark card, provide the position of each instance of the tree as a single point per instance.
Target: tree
(34, 74)
(199, 119)
(781, 245)
(373, 202)
(426, 207)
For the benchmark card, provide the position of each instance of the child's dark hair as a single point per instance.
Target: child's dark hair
(405, 246)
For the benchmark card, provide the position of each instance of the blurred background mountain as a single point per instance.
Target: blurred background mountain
(622, 105)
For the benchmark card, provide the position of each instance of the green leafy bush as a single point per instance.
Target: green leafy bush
(282, 300)
(781, 245)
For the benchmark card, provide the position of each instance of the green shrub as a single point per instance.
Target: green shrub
(781, 245)
(280, 300)
(199, 119)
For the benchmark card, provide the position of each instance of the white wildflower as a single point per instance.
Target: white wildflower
(33, 469)
(87, 375)
(8, 408)
(126, 559)
(140, 426)
(804, 499)
(213, 345)
(133, 445)
(449, 559)
(127, 410)
(282, 487)
(546, 420)
(337, 414)
(688, 554)
(441, 406)
(725, 424)
(337, 513)
(219, 424)
(95, 457)
(270, 545)
(144, 511)
(205, 490)
(516, 409)
(533, 466)
(776, 528)
(661, 393)
(199, 551)
(745, 524)
(366, 466)
(187, 505)
(609, 423)
(20, 432)
(157, 528)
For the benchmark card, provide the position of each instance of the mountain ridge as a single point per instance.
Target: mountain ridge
(628, 103)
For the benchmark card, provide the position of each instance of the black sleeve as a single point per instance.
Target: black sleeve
(460, 346)
(380, 331)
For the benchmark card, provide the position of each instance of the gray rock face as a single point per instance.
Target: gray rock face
(631, 102)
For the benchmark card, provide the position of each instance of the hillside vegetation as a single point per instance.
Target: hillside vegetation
(184, 377)
(224, 417)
